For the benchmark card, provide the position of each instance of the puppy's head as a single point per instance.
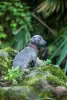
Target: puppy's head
(38, 40)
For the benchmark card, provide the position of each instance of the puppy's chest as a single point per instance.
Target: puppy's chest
(34, 54)
(28, 54)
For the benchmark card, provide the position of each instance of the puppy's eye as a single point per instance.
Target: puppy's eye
(40, 38)
(34, 37)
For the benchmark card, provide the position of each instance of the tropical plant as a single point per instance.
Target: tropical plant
(53, 14)
(61, 48)
(15, 20)
(49, 6)
(13, 74)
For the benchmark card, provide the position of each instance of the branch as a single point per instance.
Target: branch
(43, 23)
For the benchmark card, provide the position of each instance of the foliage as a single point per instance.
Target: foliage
(2, 35)
(10, 51)
(48, 62)
(15, 22)
(6, 58)
(49, 6)
(21, 40)
(5, 63)
(53, 11)
(61, 45)
(55, 81)
(44, 96)
(13, 74)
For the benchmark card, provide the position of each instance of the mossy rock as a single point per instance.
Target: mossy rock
(28, 93)
(50, 73)
(12, 53)
(53, 70)
(18, 93)
(2, 94)
(37, 84)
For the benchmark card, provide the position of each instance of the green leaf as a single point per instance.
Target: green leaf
(57, 50)
(65, 69)
(3, 35)
(22, 14)
(62, 55)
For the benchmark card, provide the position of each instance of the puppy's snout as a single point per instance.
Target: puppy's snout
(45, 43)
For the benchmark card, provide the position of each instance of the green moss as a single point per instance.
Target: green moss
(35, 78)
(2, 94)
(10, 51)
(45, 95)
(50, 73)
(19, 93)
(55, 80)
(12, 95)
(31, 81)
(53, 70)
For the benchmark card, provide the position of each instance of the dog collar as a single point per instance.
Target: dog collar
(33, 46)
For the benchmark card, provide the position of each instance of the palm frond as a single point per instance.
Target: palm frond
(49, 6)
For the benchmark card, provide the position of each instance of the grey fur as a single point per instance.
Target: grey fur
(29, 55)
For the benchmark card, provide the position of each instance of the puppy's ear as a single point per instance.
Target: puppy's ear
(32, 40)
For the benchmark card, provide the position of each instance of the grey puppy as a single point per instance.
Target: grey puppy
(28, 55)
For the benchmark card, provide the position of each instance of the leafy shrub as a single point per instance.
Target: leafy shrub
(6, 59)
(15, 22)
(13, 74)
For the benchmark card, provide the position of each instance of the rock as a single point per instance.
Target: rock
(17, 93)
(40, 62)
(60, 92)
(45, 82)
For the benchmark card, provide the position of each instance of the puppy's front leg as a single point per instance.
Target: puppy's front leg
(33, 63)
